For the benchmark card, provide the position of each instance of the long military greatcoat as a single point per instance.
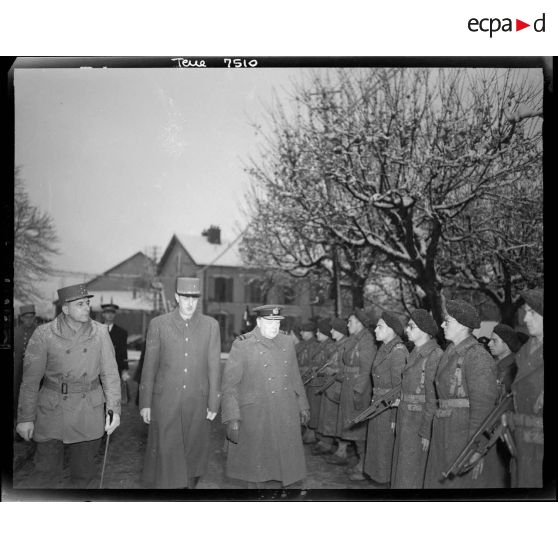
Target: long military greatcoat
(386, 374)
(22, 335)
(473, 387)
(527, 421)
(357, 359)
(329, 404)
(322, 354)
(414, 419)
(61, 355)
(180, 381)
(262, 388)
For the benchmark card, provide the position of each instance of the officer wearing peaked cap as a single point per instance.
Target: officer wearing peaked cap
(74, 357)
(22, 334)
(179, 390)
(263, 405)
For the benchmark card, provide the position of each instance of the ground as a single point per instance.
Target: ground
(127, 447)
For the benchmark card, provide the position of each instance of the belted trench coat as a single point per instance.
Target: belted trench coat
(386, 374)
(61, 355)
(474, 385)
(414, 416)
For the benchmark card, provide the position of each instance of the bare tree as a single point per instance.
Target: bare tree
(387, 160)
(34, 243)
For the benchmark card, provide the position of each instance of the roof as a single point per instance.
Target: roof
(205, 253)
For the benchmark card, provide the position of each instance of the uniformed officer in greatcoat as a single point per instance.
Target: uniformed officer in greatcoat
(22, 334)
(179, 390)
(74, 357)
(263, 405)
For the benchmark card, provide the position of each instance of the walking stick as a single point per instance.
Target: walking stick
(110, 414)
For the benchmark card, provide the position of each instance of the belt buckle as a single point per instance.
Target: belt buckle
(64, 388)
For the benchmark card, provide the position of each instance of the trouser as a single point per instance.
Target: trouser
(49, 464)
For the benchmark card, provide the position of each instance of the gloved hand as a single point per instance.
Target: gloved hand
(358, 401)
(304, 417)
(232, 431)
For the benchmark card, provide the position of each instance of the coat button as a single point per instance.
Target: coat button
(286, 362)
(185, 369)
(67, 351)
(269, 379)
(183, 387)
(285, 389)
(84, 350)
(265, 365)
(186, 339)
(273, 391)
(185, 354)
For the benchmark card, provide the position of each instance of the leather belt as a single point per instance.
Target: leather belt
(459, 403)
(527, 421)
(413, 398)
(71, 387)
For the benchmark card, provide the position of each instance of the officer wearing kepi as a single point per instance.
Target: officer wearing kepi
(263, 405)
(22, 334)
(75, 356)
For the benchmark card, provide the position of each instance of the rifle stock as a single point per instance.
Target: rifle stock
(327, 385)
(378, 407)
(313, 374)
(482, 440)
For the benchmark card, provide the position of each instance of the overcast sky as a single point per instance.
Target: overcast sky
(123, 158)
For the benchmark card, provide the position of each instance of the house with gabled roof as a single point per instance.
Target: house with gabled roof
(230, 289)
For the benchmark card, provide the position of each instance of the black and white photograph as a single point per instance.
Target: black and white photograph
(292, 279)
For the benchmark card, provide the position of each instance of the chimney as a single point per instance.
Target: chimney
(213, 234)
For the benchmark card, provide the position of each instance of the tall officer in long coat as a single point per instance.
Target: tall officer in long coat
(466, 392)
(119, 338)
(263, 405)
(528, 391)
(417, 404)
(179, 390)
(329, 405)
(356, 386)
(74, 357)
(386, 374)
(22, 335)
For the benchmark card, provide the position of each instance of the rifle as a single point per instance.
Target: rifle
(312, 375)
(378, 407)
(483, 439)
(327, 385)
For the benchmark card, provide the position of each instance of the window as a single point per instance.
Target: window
(253, 291)
(223, 289)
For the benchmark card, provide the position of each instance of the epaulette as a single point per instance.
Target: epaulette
(242, 337)
(399, 346)
(283, 332)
